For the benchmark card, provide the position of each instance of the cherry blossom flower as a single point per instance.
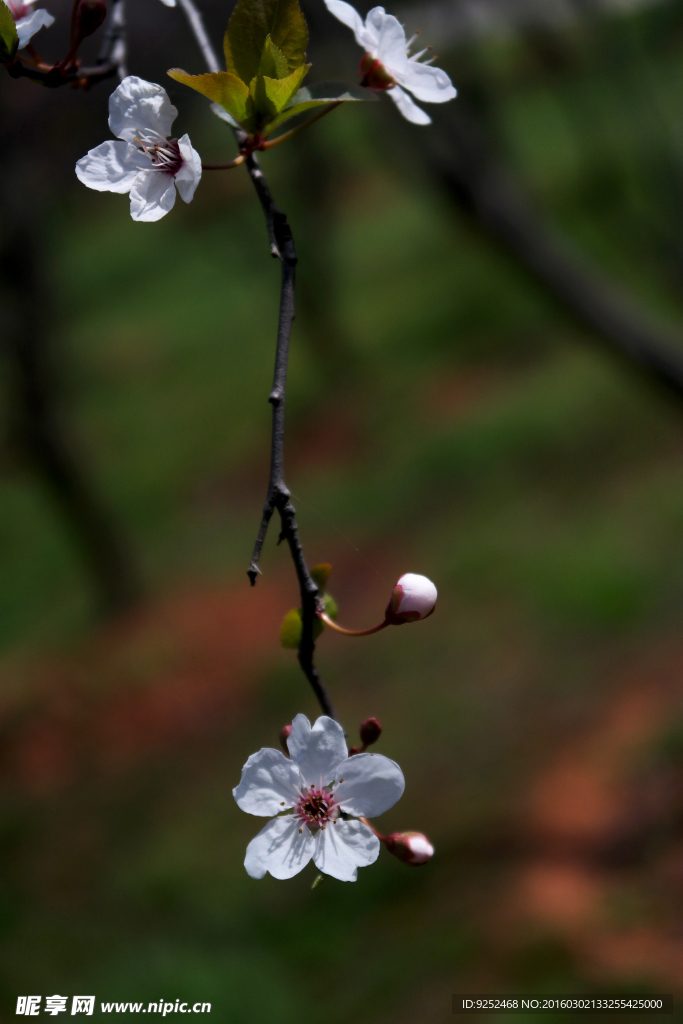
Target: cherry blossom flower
(146, 162)
(28, 22)
(388, 64)
(316, 796)
(413, 598)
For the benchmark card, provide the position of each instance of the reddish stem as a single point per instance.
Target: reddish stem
(350, 632)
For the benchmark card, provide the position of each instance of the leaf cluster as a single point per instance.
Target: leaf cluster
(265, 57)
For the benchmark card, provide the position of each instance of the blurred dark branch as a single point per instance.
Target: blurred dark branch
(53, 78)
(111, 59)
(458, 157)
(278, 497)
(38, 431)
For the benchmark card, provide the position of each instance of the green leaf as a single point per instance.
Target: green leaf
(223, 88)
(9, 40)
(290, 630)
(251, 23)
(320, 95)
(321, 573)
(271, 95)
(273, 61)
(330, 606)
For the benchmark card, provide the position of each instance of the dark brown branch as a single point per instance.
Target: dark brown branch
(458, 157)
(278, 496)
(53, 78)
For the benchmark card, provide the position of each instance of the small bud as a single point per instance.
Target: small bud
(413, 598)
(354, 750)
(284, 736)
(370, 732)
(411, 847)
(87, 17)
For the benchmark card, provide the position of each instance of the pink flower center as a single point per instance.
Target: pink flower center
(374, 75)
(316, 807)
(165, 156)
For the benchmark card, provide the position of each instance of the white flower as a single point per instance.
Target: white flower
(317, 795)
(388, 64)
(28, 22)
(146, 162)
(169, 3)
(413, 598)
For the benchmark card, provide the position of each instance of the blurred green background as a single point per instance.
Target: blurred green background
(445, 416)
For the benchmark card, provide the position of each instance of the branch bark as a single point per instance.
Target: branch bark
(458, 158)
(278, 498)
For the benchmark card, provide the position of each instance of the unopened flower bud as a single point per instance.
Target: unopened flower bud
(370, 731)
(284, 736)
(411, 847)
(413, 598)
(87, 17)
(354, 750)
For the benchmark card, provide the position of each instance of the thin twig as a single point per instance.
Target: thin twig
(196, 24)
(278, 497)
(114, 48)
(54, 78)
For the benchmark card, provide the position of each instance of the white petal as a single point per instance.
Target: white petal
(279, 848)
(317, 751)
(269, 784)
(111, 167)
(152, 195)
(427, 83)
(372, 784)
(140, 109)
(189, 175)
(32, 23)
(342, 848)
(405, 104)
(350, 17)
(391, 40)
(169, 3)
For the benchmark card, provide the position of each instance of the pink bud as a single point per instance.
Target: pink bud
(413, 598)
(284, 736)
(354, 750)
(86, 18)
(411, 847)
(370, 731)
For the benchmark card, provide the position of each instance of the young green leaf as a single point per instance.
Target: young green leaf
(320, 574)
(251, 23)
(223, 88)
(291, 628)
(271, 95)
(319, 95)
(9, 40)
(273, 61)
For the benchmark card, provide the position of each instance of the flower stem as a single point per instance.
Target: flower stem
(350, 632)
(225, 167)
(372, 828)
